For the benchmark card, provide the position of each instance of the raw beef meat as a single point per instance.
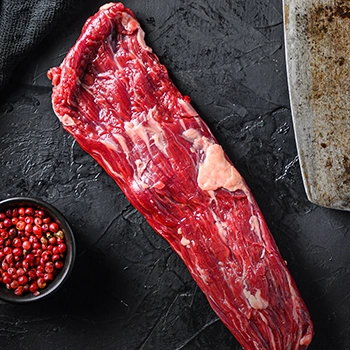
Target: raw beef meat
(112, 94)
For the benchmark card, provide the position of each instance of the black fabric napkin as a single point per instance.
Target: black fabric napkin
(23, 24)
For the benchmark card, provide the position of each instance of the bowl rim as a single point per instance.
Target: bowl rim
(71, 251)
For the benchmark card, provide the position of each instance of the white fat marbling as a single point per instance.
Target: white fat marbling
(256, 301)
(66, 120)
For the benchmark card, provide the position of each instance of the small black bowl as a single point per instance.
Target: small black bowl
(61, 277)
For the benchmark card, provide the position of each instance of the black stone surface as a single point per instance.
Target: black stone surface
(128, 289)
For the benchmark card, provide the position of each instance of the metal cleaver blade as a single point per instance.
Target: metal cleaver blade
(317, 40)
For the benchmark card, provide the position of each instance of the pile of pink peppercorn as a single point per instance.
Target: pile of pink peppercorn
(32, 249)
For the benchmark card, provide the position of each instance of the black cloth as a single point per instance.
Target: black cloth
(23, 24)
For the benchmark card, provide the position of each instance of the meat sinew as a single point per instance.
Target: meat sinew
(113, 95)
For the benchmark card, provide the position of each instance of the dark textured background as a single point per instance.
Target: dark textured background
(128, 289)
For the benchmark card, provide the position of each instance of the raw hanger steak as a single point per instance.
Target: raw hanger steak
(113, 95)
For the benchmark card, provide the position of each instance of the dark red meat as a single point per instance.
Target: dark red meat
(112, 94)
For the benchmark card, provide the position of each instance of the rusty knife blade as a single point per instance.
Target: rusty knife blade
(317, 41)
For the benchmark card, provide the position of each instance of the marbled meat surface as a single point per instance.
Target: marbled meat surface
(113, 95)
